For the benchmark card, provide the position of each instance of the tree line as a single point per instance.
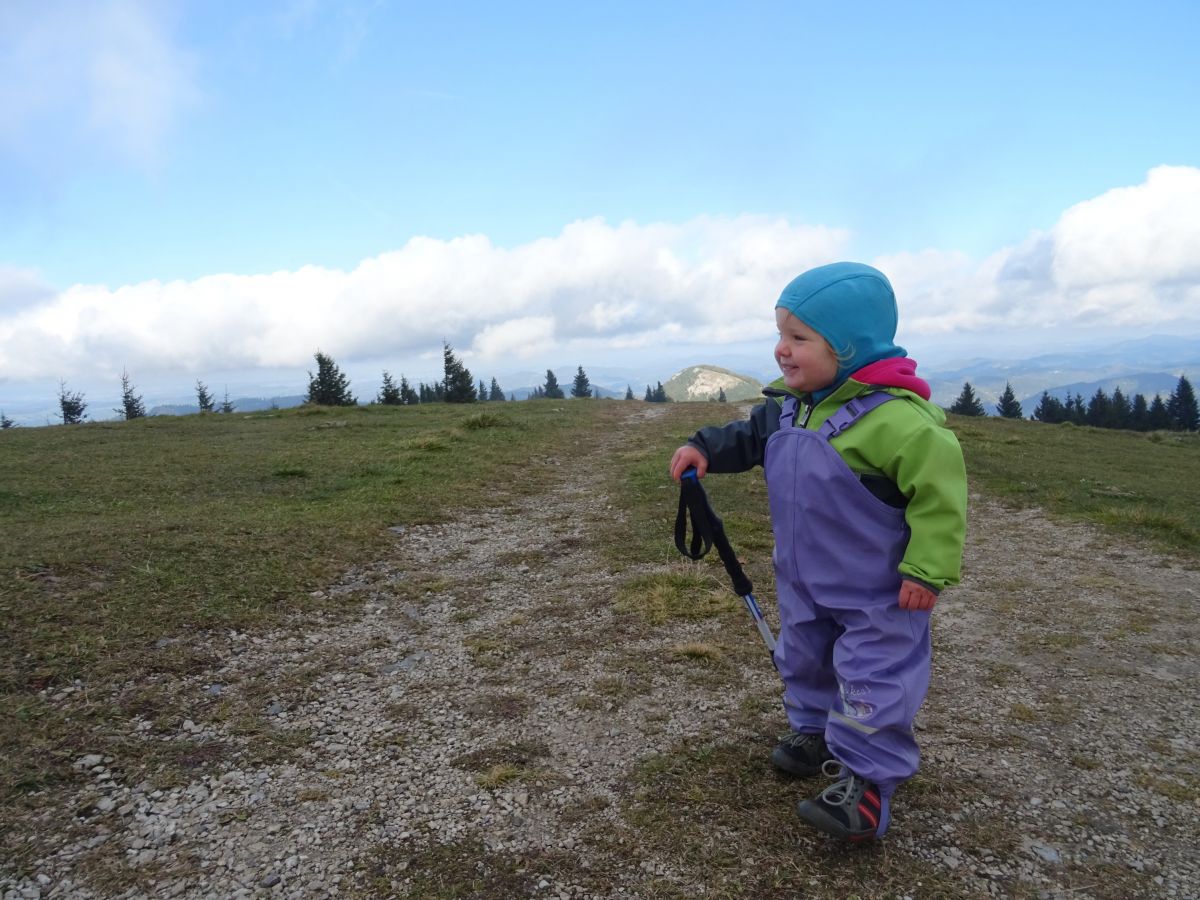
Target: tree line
(329, 386)
(1179, 412)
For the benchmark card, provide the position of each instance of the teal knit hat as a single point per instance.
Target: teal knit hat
(853, 307)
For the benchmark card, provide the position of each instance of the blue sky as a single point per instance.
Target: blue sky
(546, 182)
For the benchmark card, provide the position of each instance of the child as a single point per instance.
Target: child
(868, 499)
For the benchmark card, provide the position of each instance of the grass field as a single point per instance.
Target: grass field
(1143, 485)
(116, 534)
(117, 539)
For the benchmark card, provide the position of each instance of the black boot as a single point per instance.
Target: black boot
(800, 753)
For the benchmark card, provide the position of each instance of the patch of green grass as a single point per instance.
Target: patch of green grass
(1020, 712)
(1182, 790)
(699, 652)
(484, 420)
(1062, 640)
(467, 869)
(670, 596)
(1147, 486)
(521, 755)
(499, 775)
(997, 673)
(488, 651)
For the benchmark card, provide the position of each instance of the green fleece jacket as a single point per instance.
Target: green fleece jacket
(905, 443)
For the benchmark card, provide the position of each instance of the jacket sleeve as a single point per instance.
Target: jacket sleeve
(740, 445)
(929, 470)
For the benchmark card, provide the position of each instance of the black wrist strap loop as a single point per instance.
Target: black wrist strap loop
(707, 530)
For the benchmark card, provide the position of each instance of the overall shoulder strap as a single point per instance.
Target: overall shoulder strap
(851, 412)
(787, 418)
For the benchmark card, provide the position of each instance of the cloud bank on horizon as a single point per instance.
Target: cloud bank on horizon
(1124, 259)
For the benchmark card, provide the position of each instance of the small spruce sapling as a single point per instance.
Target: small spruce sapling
(967, 403)
(203, 398)
(581, 387)
(72, 405)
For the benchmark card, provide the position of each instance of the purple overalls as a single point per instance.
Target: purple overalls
(854, 665)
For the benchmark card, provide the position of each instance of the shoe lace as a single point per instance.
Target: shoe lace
(847, 790)
(801, 739)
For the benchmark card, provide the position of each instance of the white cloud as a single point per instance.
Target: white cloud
(522, 338)
(1146, 234)
(709, 280)
(1119, 260)
(90, 74)
(1127, 258)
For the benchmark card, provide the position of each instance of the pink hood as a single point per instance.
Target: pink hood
(896, 371)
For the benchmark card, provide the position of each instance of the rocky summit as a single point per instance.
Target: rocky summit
(707, 382)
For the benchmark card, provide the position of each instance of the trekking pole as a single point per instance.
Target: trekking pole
(708, 530)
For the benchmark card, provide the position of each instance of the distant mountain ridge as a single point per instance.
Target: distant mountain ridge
(1146, 366)
(706, 382)
(240, 404)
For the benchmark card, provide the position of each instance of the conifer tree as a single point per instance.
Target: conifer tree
(226, 404)
(457, 384)
(552, 391)
(967, 403)
(72, 405)
(629, 392)
(203, 398)
(5, 421)
(407, 395)
(481, 392)
(131, 404)
(1009, 407)
(1099, 410)
(494, 392)
(660, 394)
(389, 392)
(649, 398)
(538, 393)
(329, 387)
(1079, 413)
(1119, 411)
(581, 387)
(1158, 418)
(721, 398)
(1181, 407)
(1050, 409)
(1139, 413)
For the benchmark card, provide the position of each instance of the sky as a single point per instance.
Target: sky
(209, 190)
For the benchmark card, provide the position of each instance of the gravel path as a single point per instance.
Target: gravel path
(477, 712)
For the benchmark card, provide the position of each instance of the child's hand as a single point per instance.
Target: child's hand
(687, 457)
(915, 597)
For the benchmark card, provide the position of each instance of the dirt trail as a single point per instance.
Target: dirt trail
(480, 729)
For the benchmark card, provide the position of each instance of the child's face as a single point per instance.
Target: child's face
(807, 361)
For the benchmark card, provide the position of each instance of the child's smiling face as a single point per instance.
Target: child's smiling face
(807, 361)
